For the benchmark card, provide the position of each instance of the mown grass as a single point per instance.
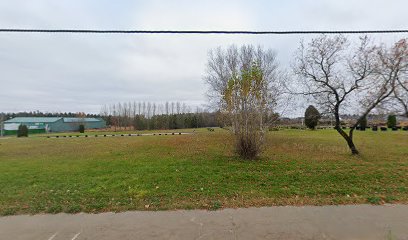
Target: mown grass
(52, 175)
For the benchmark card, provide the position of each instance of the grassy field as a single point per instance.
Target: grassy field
(53, 175)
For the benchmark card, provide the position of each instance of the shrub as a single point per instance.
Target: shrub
(81, 128)
(248, 147)
(383, 129)
(375, 128)
(312, 117)
(22, 131)
(363, 124)
(391, 121)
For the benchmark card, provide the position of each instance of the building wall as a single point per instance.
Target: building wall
(30, 125)
(56, 126)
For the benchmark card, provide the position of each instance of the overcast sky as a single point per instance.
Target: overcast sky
(81, 72)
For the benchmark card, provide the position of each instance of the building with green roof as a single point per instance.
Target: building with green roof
(52, 124)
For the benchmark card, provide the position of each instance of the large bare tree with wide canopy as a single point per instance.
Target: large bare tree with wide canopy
(343, 77)
(401, 89)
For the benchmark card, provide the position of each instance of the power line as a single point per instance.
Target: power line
(21, 30)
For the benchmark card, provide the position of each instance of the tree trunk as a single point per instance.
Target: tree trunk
(351, 145)
(349, 140)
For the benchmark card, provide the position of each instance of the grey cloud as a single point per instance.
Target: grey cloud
(63, 72)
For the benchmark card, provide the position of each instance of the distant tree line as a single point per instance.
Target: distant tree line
(149, 116)
(10, 115)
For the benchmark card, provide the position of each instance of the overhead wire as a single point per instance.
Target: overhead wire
(300, 32)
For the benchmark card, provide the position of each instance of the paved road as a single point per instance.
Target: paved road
(329, 222)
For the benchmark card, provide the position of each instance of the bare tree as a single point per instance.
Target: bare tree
(125, 114)
(167, 108)
(401, 95)
(104, 111)
(244, 84)
(134, 113)
(340, 77)
(401, 90)
(172, 107)
(154, 109)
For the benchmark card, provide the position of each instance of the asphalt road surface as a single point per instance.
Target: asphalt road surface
(387, 222)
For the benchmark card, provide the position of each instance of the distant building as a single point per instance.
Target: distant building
(53, 124)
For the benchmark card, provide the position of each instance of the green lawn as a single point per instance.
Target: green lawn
(298, 167)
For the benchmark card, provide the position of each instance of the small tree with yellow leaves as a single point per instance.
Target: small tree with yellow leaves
(246, 101)
(245, 85)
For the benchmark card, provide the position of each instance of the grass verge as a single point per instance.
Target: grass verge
(41, 175)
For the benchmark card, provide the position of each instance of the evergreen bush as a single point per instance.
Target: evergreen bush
(22, 131)
(391, 121)
(363, 124)
(312, 117)
(81, 128)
